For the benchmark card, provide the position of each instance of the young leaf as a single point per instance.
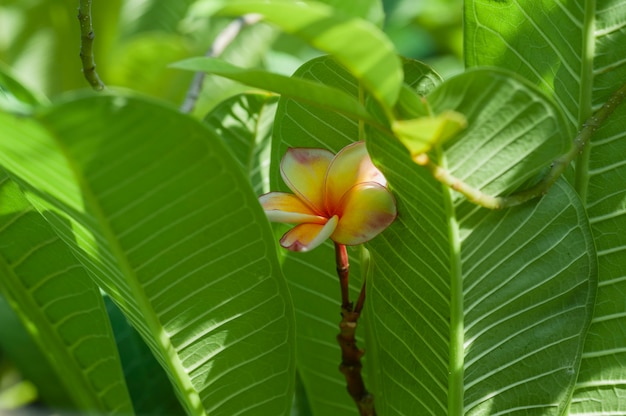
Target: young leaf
(292, 87)
(155, 207)
(358, 45)
(59, 305)
(419, 135)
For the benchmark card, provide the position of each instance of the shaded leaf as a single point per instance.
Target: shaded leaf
(244, 123)
(148, 385)
(59, 305)
(513, 132)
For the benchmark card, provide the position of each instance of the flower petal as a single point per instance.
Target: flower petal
(304, 170)
(351, 166)
(367, 209)
(288, 208)
(306, 237)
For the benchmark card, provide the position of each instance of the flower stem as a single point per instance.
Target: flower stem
(343, 270)
(86, 45)
(351, 355)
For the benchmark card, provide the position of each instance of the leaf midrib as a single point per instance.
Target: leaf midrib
(178, 375)
(585, 95)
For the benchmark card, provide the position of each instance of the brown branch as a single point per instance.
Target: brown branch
(86, 45)
(221, 42)
(351, 355)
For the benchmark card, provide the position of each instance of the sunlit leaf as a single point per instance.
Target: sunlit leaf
(157, 210)
(419, 135)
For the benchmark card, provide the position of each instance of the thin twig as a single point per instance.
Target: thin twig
(351, 355)
(221, 42)
(541, 188)
(86, 45)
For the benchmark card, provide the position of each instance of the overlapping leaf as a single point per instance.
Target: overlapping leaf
(162, 217)
(244, 123)
(60, 307)
(579, 63)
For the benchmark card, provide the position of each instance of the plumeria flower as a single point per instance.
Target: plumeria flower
(342, 197)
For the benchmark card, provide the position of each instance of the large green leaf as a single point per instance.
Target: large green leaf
(60, 307)
(482, 313)
(580, 64)
(513, 132)
(160, 214)
(358, 45)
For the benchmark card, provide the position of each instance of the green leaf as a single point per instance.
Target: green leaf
(601, 379)
(311, 276)
(19, 353)
(358, 45)
(14, 97)
(580, 64)
(487, 306)
(499, 33)
(59, 305)
(244, 123)
(160, 214)
(292, 87)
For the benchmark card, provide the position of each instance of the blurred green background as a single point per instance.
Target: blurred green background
(135, 42)
(137, 39)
